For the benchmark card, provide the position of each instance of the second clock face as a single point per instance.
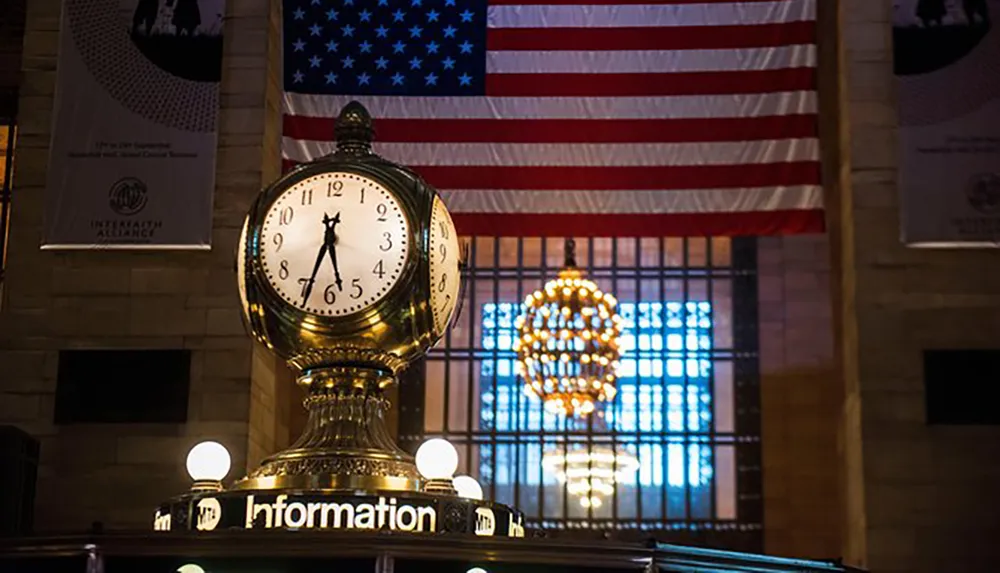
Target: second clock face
(334, 244)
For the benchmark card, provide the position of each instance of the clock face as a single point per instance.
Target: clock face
(334, 244)
(241, 264)
(444, 271)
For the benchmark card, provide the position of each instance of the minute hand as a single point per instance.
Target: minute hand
(312, 278)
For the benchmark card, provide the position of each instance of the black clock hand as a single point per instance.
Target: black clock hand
(312, 279)
(330, 240)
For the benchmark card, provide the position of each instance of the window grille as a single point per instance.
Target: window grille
(688, 393)
(8, 133)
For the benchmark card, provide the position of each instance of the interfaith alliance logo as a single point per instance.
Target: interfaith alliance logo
(127, 196)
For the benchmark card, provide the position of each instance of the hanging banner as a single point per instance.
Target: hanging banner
(947, 67)
(132, 159)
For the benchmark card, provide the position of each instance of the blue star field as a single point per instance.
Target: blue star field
(385, 47)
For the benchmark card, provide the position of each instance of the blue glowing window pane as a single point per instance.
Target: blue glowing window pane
(663, 386)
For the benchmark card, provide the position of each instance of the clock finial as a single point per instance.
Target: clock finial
(354, 130)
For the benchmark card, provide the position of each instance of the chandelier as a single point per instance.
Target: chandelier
(590, 472)
(567, 345)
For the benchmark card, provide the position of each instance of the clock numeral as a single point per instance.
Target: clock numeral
(444, 251)
(329, 296)
(283, 270)
(362, 195)
(305, 283)
(286, 215)
(356, 285)
(307, 196)
(378, 270)
(441, 283)
(381, 209)
(278, 240)
(388, 242)
(335, 189)
(444, 230)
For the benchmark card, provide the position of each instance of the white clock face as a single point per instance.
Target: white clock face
(444, 272)
(334, 244)
(241, 263)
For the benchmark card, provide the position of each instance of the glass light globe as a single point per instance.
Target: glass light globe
(208, 461)
(476, 570)
(468, 487)
(437, 459)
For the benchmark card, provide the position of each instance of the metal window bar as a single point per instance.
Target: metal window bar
(701, 477)
(8, 133)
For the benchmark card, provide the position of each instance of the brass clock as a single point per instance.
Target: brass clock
(349, 268)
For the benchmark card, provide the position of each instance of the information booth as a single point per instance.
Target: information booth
(328, 552)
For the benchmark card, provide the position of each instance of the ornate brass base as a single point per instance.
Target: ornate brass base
(346, 445)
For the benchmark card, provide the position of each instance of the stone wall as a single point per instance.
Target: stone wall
(919, 498)
(800, 398)
(100, 299)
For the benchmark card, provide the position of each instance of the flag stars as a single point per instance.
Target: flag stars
(415, 31)
(299, 45)
(465, 47)
(416, 3)
(449, 3)
(432, 47)
(382, 32)
(431, 79)
(432, 16)
(365, 47)
(449, 31)
(299, 14)
(348, 30)
(297, 77)
(415, 63)
(398, 15)
(383, 2)
(398, 47)
(364, 79)
(332, 15)
(365, 16)
(315, 61)
(465, 80)
(381, 63)
(448, 63)
(315, 2)
(397, 79)
(466, 16)
(347, 62)
(331, 78)
(315, 30)
(331, 46)
(348, 2)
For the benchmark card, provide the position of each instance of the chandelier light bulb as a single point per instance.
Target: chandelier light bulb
(569, 351)
(468, 487)
(208, 461)
(437, 459)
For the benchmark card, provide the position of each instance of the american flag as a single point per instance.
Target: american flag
(574, 117)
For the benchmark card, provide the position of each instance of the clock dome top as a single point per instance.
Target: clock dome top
(354, 130)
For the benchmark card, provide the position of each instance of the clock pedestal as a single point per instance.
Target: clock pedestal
(346, 444)
(382, 227)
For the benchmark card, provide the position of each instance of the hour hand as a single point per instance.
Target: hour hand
(336, 270)
(330, 241)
